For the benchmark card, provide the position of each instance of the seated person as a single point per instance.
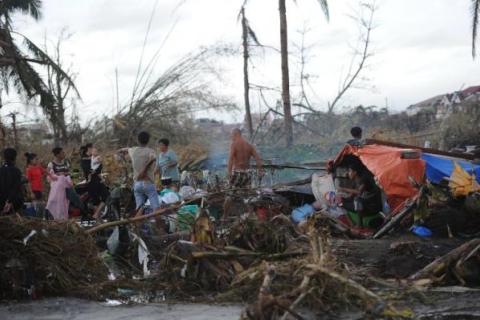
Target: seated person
(365, 198)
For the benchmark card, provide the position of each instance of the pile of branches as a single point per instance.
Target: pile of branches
(294, 271)
(48, 258)
(317, 281)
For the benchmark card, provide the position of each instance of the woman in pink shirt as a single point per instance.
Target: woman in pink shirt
(58, 203)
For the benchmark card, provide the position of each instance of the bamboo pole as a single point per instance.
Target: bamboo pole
(107, 225)
(164, 210)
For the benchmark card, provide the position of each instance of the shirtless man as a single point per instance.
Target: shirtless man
(239, 160)
(238, 164)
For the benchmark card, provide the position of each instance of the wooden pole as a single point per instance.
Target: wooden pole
(287, 112)
(112, 224)
(424, 150)
(246, 84)
(158, 213)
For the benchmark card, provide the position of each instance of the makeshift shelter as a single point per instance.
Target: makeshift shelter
(391, 167)
(441, 167)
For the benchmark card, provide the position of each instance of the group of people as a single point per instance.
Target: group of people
(363, 195)
(62, 194)
(14, 185)
(146, 164)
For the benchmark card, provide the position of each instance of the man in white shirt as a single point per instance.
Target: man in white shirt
(143, 163)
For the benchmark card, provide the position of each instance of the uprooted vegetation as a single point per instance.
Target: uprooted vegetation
(268, 263)
(60, 258)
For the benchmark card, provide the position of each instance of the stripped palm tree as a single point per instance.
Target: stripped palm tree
(288, 119)
(17, 63)
(287, 108)
(475, 20)
(248, 36)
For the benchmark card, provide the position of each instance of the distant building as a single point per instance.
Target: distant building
(429, 105)
(38, 131)
(442, 106)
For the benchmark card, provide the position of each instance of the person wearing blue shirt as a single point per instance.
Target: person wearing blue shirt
(167, 163)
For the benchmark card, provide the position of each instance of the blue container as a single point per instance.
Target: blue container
(420, 231)
(302, 213)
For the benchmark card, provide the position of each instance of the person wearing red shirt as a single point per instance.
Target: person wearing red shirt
(35, 174)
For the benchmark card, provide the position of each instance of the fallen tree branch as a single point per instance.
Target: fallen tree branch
(441, 264)
(303, 288)
(107, 225)
(245, 253)
(360, 290)
(157, 213)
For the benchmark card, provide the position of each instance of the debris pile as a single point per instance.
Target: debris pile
(271, 265)
(54, 258)
(254, 251)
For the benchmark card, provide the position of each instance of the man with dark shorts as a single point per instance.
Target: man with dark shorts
(239, 158)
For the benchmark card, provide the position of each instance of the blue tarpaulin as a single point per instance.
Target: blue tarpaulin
(439, 167)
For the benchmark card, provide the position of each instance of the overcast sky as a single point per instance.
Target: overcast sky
(421, 48)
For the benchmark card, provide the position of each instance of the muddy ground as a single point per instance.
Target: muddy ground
(447, 303)
(76, 309)
(396, 258)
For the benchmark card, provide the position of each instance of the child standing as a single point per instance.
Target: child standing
(35, 174)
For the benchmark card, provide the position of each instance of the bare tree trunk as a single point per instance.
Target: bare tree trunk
(62, 126)
(288, 119)
(60, 89)
(14, 130)
(246, 84)
(3, 136)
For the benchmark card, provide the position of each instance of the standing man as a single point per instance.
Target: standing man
(239, 160)
(167, 163)
(11, 191)
(143, 160)
(241, 153)
(356, 133)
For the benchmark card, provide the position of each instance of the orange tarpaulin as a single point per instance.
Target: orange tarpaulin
(390, 170)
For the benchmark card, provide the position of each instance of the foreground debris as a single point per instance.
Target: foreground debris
(259, 257)
(56, 258)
